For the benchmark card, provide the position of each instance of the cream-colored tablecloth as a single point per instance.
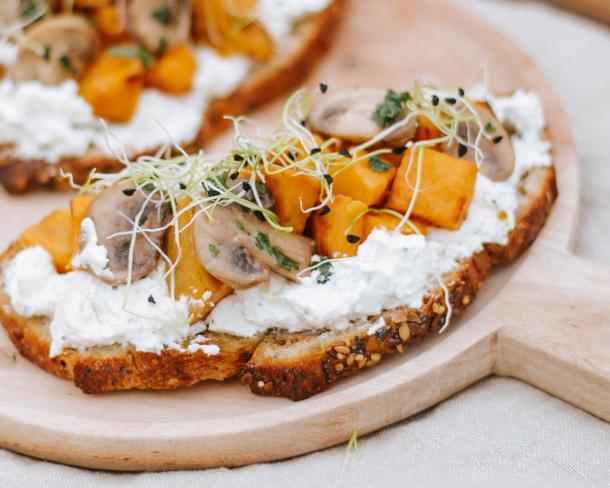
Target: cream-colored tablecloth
(500, 432)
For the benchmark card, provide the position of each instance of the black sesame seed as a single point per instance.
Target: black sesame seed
(234, 176)
(451, 101)
(182, 186)
(259, 215)
(462, 150)
(213, 193)
(151, 299)
(399, 150)
(435, 100)
(315, 150)
(352, 239)
(291, 156)
(246, 186)
(323, 87)
(238, 157)
(129, 191)
(325, 210)
(345, 153)
(303, 122)
(497, 139)
(461, 92)
(328, 178)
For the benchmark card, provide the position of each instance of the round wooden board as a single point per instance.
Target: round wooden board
(543, 319)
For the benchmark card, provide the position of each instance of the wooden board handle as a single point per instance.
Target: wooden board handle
(558, 338)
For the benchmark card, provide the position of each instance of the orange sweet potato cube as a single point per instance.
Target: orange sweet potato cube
(174, 70)
(426, 129)
(290, 190)
(78, 211)
(390, 222)
(329, 228)
(190, 278)
(368, 180)
(445, 190)
(54, 234)
(113, 85)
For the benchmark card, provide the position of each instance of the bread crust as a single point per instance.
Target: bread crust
(19, 175)
(292, 365)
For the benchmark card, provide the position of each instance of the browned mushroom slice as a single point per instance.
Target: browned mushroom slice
(239, 249)
(348, 115)
(159, 24)
(498, 156)
(56, 48)
(113, 211)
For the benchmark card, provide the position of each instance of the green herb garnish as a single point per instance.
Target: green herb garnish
(29, 9)
(163, 16)
(66, 63)
(388, 111)
(489, 128)
(214, 250)
(283, 261)
(240, 225)
(378, 166)
(325, 270)
(46, 53)
(133, 52)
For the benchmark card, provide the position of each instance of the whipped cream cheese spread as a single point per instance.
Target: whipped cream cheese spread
(93, 256)
(389, 270)
(52, 122)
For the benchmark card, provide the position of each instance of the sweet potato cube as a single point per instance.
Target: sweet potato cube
(78, 211)
(54, 234)
(109, 23)
(113, 85)
(426, 130)
(290, 191)
(445, 189)
(329, 229)
(368, 180)
(174, 70)
(389, 222)
(190, 278)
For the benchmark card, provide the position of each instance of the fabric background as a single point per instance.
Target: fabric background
(500, 432)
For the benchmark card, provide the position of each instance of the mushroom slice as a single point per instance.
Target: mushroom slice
(498, 160)
(348, 115)
(113, 211)
(159, 24)
(267, 200)
(55, 49)
(239, 249)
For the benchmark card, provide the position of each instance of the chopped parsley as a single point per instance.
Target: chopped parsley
(240, 225)
(163, 16)
(489, 128)
(214, 251)
(46, 53)
(392, 107)
(66, 63)
(325, 270)
(29, 8)
(283, 261)
(377, 165)
(133, 52)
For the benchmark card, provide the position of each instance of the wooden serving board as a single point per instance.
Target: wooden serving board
(544, 319)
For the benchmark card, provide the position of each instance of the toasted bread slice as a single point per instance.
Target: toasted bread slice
(301, 52)
(293, 365)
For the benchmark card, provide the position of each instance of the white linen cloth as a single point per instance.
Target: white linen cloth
(500, 432)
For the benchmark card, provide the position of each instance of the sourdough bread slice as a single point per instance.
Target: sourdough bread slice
(292, 365)
(281, 74)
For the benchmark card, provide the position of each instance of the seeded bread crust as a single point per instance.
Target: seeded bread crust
(281, 74)
(292, 365)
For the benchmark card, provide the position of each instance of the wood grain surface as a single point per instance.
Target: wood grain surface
(544, 319)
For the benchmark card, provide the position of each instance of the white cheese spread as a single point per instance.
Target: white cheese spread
(279, 16)
(93, 256)
(390, 269)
